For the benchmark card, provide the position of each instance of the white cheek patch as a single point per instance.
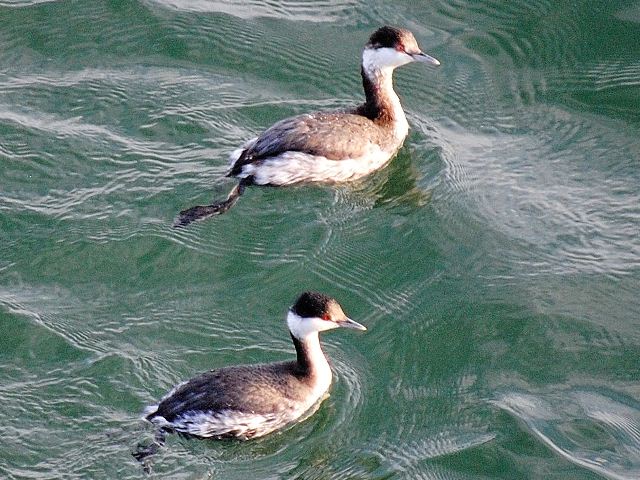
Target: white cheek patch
(302, 328)
(383, 58)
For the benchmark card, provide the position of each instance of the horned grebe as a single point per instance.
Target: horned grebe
(248, 401)
(329, 146)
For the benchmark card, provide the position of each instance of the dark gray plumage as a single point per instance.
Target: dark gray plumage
(330, 146)
(334, 135)
(245, 401)
(276, 388)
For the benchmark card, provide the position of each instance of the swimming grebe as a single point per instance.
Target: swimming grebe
(248, 401)
(329, 146)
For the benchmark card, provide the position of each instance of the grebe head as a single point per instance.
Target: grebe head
(315, 312)
(391, 47)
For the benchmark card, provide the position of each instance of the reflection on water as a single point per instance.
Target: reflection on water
(586, 427)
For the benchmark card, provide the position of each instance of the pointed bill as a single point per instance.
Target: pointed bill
(424, 58)
(348, 323)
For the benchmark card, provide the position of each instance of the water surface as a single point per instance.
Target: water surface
(495, 261)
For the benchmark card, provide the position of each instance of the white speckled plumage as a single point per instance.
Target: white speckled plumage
(296, 167)
(248, 401)
(330, 147)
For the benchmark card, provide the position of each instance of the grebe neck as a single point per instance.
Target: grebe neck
(310, 359)
(382, 104)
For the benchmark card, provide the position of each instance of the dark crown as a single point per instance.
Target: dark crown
(386, 37)
(311, 304)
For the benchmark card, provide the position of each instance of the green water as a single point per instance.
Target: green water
(495, 261)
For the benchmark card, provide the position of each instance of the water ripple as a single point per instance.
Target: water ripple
(569, 213)
(404, 456)
(506, 225)
(594, 430)
(291, 10)
(23, 3)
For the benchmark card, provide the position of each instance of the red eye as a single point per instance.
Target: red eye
(400, 47)
(326, 317)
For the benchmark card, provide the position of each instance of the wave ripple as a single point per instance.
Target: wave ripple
(594, 430)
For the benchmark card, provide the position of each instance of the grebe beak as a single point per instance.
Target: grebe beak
(348, 323)
(424, 58)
